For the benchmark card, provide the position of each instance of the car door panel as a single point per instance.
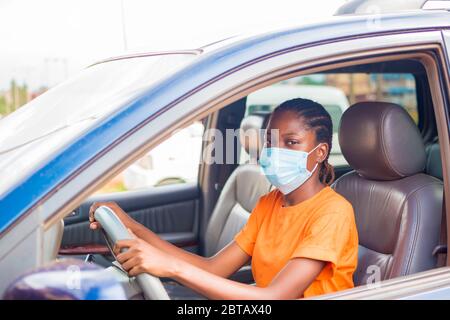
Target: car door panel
(170, 211)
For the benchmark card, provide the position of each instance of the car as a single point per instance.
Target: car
(57, 150)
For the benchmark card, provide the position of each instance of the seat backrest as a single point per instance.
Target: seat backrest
(434, 162)
(241, 192)
(397, 207)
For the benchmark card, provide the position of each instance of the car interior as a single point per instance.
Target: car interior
(392, 177)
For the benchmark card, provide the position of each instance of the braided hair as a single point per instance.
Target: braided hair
(318, 119)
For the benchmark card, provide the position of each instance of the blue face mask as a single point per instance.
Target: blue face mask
(285, 169)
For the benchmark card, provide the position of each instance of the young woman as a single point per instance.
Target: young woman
(301, 236)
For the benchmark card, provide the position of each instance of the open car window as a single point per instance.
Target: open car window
(336, 92)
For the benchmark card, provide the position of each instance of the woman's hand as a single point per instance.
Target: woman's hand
(141, 257)
(125, 218)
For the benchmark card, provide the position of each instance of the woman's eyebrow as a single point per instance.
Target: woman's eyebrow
(292, 134)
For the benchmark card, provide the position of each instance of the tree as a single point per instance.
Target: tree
(3, 108)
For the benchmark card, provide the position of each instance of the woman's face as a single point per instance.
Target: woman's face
(287, 130)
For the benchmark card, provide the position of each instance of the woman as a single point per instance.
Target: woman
(301, 236)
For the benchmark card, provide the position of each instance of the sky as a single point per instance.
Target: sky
(44, 42)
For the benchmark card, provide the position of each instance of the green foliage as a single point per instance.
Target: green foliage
(14, 98)
(3, 109)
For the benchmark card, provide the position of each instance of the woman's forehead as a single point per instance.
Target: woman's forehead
(287, 122)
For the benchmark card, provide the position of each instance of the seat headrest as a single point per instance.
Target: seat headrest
(380, 141)
(251, 135)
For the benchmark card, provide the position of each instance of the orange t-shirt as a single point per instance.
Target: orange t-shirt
(321, 227)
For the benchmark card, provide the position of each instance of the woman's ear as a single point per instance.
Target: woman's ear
(322, 152)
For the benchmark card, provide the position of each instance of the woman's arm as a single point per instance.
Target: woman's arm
(290, 283)
(223, 264)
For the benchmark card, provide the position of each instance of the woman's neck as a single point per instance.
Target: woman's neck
(304, 192)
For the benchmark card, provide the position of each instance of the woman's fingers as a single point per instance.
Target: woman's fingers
(122, 244)
(125, 243)
(124, 256)
(92, 209)
(95, 225)
(130, 263)
(95, 205)
(136, 270)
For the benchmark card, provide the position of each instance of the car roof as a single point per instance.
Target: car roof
(379, 6)
(412, 19)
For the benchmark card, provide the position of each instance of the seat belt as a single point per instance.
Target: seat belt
(441, 250)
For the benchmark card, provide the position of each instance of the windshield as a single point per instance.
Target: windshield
(48, 122)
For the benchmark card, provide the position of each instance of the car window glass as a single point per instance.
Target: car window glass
(175, 160)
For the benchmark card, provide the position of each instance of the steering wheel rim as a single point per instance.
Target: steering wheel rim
(115, 230)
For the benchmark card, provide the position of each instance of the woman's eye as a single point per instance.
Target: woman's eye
(291, 142)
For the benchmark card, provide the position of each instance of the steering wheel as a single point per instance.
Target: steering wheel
(113, 229)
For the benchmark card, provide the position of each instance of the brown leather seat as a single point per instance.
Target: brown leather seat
(241, 191)
(397, 207)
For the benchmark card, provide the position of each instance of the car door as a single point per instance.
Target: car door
(160, 191)
(432, 284)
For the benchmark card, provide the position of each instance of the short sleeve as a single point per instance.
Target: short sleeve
(325, 240)
(246, 237)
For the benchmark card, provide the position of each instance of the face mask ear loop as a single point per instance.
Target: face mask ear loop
(315, 167)
(313, 149)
